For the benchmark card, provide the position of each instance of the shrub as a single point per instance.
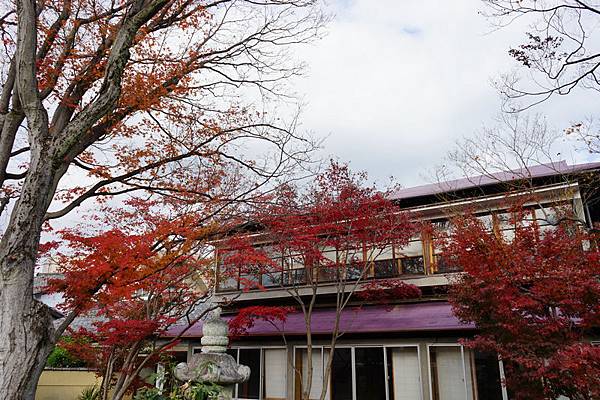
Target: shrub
(62, 358)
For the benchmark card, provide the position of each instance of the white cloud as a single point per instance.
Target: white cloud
(395, 83)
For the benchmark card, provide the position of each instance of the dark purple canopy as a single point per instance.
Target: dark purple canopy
(418, 317)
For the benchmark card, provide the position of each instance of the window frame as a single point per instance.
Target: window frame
(473, 367)
(261, 393)
(352, 348)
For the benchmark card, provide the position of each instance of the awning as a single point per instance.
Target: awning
(417, 317)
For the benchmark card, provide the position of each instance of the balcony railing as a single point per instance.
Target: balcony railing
(297, 277)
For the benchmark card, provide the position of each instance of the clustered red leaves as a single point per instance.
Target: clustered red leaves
(388, 290)
(337, 211)
(178, 117)
(247, 316)
(533, 299)
(136, 280)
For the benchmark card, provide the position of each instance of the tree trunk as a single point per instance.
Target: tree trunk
(26, 325)
(26, 335)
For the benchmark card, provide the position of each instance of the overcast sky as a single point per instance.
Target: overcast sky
(395, 82)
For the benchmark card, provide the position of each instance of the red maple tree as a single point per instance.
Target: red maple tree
(533, 297)
(135, 281)
(329, 234)
(141, 97)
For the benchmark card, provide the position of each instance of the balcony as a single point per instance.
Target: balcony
(258, 279)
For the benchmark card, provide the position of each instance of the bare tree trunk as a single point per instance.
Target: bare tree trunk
(309, 364)
(26, 332)
(26, 329)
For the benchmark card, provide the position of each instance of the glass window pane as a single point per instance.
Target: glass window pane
(446, 265)
(413, 265)
(488, 376)
(327, 273)
(249, 276)
(274, 380)
(271, 279)
(447, 374)
(381, 253)
(251, 388)
(329, 256)
(385, 268)
(317, 373)
(404, 376)
(295, 273)
(273, 274)
(227, 277)
(370, 373)
(341, 375)
(354, 271)
(413, 249)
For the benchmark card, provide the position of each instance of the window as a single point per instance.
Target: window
(251, 388)
(412, 261)
(404, 377)
(341, 374)
(370, 375)
(363, 373)
(385, 266)
(318, 359)
(227, 277)
(487, 371)
(352, 260)
(446, 265)
(250, 276)
(450, 373)
(327, 269)
(413, 265)
(273, 274)
(268, 373)
(294, 271)
(275, 374)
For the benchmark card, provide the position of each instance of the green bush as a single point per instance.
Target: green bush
(61, 358)
(197, 391)
(203, 391)
(149, 393)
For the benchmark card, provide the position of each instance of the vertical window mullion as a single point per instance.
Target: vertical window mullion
(353, 361)
(262, 374)
(385, 371)
(462, 355)
(502, 379)
(237, 360)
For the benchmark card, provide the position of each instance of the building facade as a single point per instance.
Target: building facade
(405, 349)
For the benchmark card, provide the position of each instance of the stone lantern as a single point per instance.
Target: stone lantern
(213, 364)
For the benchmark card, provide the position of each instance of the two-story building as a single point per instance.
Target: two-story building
(409, 349)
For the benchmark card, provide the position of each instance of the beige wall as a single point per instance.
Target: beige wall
(64, 384)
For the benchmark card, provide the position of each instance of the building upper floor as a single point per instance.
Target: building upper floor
(547, 194)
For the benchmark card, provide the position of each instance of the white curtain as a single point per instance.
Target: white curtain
(317, 375)
(450, 373)
(275, 374)
(406, 373)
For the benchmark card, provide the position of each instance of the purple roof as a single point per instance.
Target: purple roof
(536, 171)
(418, 317)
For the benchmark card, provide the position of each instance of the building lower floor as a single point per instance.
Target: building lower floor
(426, 368)
(399, 352)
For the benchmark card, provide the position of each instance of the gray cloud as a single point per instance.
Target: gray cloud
(395, 83)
